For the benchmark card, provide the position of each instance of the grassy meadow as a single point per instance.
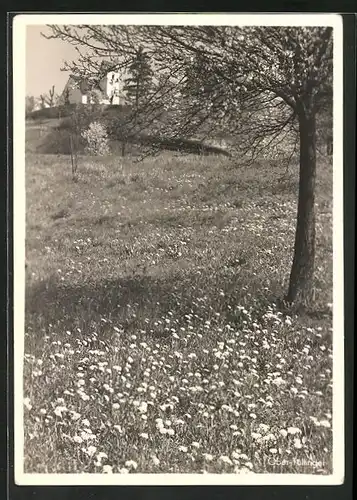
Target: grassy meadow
(154, 339)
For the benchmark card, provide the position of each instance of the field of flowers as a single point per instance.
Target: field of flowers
(155, 339)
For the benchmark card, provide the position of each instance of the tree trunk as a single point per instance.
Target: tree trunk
(71, 151)
(302, 271)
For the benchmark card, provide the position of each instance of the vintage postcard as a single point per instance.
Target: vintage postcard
(178, 249)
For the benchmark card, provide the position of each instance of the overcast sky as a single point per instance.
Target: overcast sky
(44, 58)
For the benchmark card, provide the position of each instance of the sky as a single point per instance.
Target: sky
(44, 58)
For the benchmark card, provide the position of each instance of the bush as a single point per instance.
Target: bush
(97, 139)
(49, 113)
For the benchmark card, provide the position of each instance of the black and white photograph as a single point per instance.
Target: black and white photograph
(178, 249)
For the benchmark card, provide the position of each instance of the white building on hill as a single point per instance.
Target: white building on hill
(110, 87)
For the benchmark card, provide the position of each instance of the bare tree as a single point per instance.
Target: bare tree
(66, 96)
(260, 84)
(43, 101)
(51, 99)
(80, 116)
(29, 104)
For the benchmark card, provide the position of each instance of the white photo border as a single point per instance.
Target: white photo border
(20, 23)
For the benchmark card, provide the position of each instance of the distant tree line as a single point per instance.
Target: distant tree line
(47, 100)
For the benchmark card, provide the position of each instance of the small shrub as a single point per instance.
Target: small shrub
(97, 139)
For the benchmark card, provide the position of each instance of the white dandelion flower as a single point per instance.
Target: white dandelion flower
(179, 421)
(143, 408)
(27, 403)
(59, 410)
(91, 450)
(325, 423)
(294, 430)
(256, 435)
(159, 423)
(278, 381)
(269, 437)
(131, 464)
(297, 443)
(225, 460)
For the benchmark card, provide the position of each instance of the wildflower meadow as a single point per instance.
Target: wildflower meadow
(156, 340)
